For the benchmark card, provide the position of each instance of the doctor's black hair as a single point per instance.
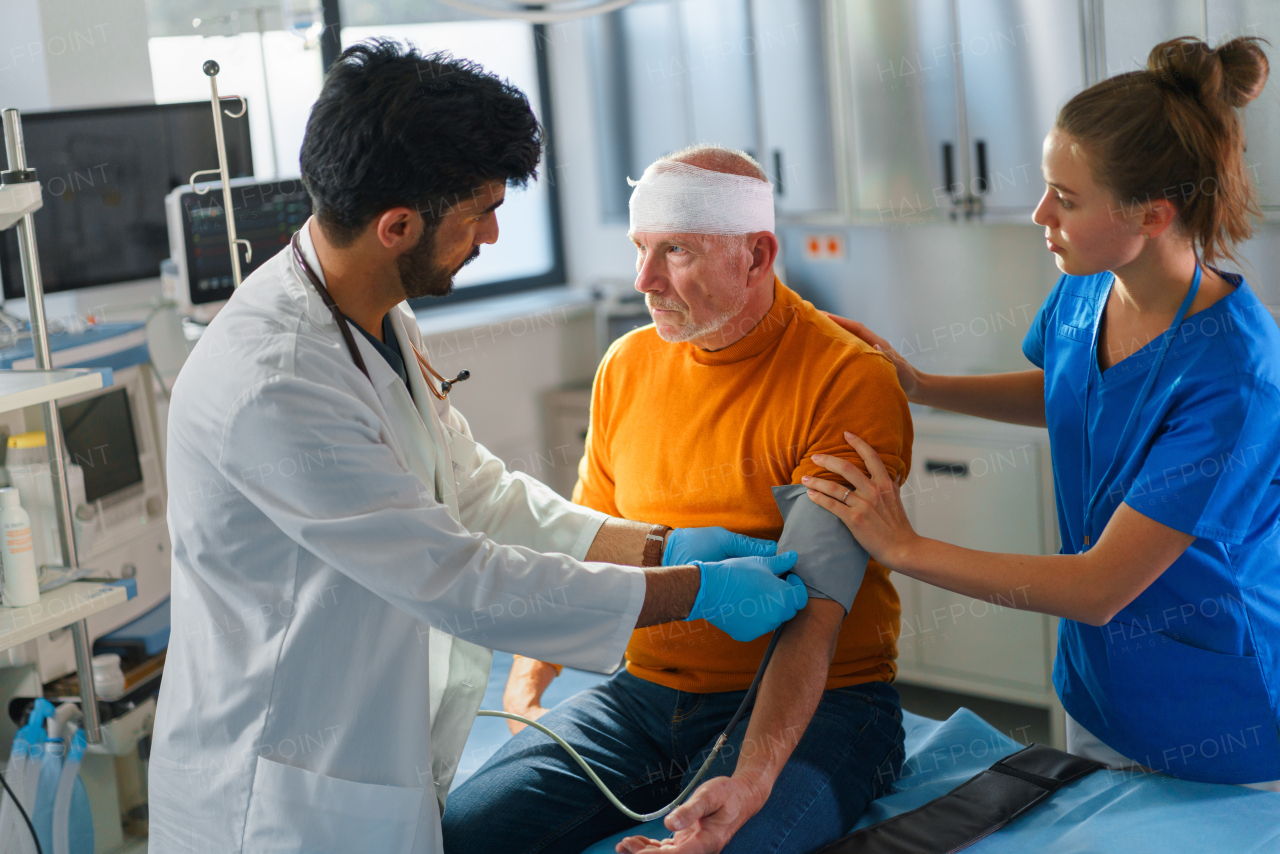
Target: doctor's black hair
(395, 127)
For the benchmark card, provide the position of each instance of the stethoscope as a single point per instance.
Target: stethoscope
(445, 385)
(345, 328)
(1138, 403)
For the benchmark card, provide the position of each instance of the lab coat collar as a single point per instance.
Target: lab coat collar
(380, 373)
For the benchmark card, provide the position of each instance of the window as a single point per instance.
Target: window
(528, 253)
(277, 71)
(274, 61)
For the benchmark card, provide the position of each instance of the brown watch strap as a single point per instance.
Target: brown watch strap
(655, 543)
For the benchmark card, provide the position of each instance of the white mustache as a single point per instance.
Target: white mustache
(664, 305)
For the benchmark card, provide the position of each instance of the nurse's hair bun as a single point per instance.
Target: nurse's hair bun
(1172, 132)
(1232, 74)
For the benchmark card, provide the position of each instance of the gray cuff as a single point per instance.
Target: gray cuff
(831, 563)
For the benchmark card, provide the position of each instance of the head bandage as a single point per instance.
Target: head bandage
(674, 197)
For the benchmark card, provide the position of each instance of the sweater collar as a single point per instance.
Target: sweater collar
(762, 336)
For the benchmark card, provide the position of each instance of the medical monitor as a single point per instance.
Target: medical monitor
(105, 174)
(267, 214)
(99, 436)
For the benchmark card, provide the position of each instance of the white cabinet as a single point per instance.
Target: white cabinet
(747, 74)
(942, 105)
(793, 103)
(987, 487)
(1132, 28)
(893, 83)
(1022, 62)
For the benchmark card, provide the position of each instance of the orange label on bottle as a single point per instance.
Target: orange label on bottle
(18, 540)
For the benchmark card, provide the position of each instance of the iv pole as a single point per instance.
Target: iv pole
(211, 69)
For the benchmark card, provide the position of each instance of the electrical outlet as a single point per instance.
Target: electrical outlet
(824, 247)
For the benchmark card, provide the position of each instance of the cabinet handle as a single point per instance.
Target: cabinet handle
(982, 167)
(940, 467)
(777, 171)
(949, 169)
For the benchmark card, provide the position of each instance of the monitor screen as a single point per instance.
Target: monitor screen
(99, 436)
(105, 174)
(267, 215)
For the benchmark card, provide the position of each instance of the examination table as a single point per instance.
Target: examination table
(1103, 812)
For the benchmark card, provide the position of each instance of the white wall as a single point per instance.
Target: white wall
(24, 80)
(63, 54)
(512, 362)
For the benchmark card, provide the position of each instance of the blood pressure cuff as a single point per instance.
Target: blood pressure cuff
(972, 810)
(831, 562)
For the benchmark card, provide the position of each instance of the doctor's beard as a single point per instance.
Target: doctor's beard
(421, 276)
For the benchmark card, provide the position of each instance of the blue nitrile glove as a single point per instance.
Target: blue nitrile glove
(744, 597)
(685, 545)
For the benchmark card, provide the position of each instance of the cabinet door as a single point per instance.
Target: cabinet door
(668, 74)
(1132, 27)
(795, 118)
(717, 45)
(1231, 18)
(981, 498)
(1022, 61)
(894, 79)
(658, 112)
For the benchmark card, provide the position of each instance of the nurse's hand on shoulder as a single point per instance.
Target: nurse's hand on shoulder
(908, 377)
(872, 509)
(745, 598)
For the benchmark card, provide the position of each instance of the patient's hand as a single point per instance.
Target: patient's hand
(707, 821)
(523, 695)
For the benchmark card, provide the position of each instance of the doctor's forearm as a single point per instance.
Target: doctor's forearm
(669, 593)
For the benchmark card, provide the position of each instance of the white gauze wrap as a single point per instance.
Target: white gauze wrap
(673, 197)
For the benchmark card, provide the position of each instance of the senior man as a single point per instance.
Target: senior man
(732, 391)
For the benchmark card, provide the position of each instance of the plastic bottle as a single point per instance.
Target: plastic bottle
(21, 586)
(108, 678)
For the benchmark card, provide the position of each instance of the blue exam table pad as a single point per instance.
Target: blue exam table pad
(1107, 811)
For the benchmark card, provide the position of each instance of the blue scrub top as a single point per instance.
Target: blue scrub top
(1186, 678)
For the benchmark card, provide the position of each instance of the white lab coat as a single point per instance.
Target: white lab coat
(343, 561)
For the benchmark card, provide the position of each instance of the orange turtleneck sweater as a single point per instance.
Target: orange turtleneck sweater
(687, 437)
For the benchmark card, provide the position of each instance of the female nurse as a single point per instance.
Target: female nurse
(1158, 377)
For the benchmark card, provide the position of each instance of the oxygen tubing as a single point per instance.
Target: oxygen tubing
(66, 788)
(747, 702)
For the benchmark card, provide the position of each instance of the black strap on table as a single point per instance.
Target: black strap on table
(972, 810)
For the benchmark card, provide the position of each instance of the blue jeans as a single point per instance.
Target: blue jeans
(644, 739)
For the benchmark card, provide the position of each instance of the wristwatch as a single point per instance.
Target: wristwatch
(655, 543)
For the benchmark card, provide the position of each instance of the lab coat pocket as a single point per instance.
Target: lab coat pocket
(295, 810)
(1193, 713)
(462, 451)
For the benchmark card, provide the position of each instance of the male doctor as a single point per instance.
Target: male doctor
(345, 555)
